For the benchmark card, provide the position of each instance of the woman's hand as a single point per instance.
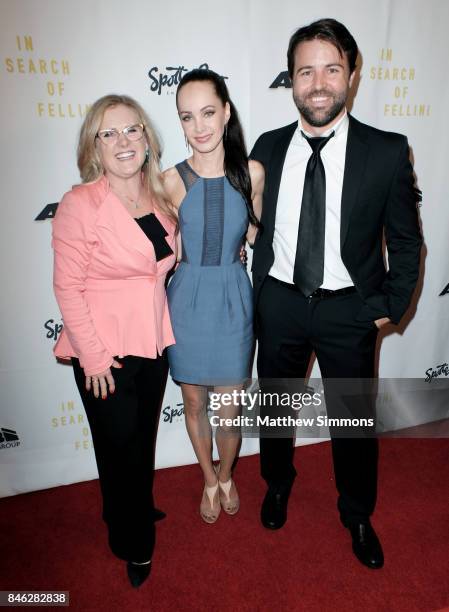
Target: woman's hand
(99, 382)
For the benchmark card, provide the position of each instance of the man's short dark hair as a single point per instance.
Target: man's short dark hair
(328, 30)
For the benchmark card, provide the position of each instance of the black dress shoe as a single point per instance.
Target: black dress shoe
(365, 544)
(138, 573)
(158, 515)
(273, 513)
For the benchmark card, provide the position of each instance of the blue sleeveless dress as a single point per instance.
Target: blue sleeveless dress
(210, 295)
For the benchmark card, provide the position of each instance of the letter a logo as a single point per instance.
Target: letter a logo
(282, 80)
(48, 212)
(445, 290)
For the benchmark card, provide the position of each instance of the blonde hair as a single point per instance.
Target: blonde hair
(89, 162)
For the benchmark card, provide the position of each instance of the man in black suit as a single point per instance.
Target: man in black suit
(333, 188)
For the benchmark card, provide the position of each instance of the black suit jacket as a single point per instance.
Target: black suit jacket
(378, 196)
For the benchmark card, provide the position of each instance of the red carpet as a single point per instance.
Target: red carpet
(55, 539)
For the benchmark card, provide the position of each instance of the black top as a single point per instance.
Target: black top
(154, 231)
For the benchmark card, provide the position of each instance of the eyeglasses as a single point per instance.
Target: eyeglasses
(132, 132)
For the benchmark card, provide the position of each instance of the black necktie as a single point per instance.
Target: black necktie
(309, 260)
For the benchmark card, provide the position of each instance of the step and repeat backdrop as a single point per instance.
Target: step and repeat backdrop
(59, 57)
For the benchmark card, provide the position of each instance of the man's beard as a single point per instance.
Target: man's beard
(320, 117)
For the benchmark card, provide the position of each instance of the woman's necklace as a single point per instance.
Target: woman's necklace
(130, 201)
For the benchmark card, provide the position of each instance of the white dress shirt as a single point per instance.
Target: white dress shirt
(288, 208)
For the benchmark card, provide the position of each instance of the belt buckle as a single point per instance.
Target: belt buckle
(321, 293)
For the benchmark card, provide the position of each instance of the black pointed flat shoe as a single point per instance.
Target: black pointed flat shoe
(138, 572)
(158, 515)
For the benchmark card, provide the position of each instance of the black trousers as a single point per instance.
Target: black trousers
(290, 328)
(124, 428)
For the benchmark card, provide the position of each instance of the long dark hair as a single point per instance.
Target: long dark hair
(235, 155)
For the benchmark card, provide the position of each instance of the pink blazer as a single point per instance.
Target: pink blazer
(108, 284)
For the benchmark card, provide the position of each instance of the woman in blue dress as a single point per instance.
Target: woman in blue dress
(217, 193)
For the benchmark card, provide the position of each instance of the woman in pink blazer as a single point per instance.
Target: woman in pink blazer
(114, 243)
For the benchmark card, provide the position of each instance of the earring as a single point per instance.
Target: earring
(225, 135)
(147, 156)
(187, 143)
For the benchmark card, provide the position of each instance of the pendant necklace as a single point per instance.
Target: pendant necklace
(134, 203)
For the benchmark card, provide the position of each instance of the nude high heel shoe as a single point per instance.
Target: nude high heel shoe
(229, 504)
(210, 504)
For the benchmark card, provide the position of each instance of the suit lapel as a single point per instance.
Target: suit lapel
(115, 218)
(274, 172)
(356, 156)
